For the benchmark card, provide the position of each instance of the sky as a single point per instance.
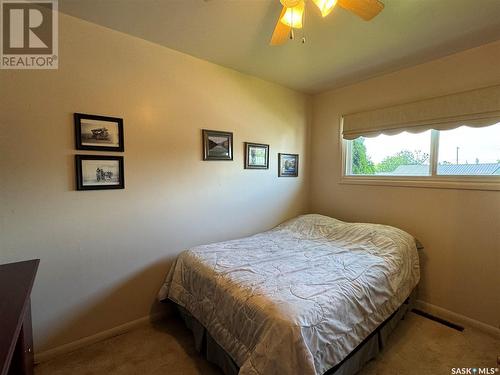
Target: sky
(481, 143)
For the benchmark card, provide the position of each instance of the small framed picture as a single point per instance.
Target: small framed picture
(288, 165)
(98, 133)
(95, 172)
(256, 156)
(217, 145)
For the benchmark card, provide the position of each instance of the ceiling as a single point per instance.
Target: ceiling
(340, 49)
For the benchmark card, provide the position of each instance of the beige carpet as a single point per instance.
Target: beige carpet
(417, 346)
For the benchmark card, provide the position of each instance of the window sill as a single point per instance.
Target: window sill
(461, 183)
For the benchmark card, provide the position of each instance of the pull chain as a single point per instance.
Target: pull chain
(303, 40)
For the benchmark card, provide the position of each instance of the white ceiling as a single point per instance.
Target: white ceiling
(340, 49)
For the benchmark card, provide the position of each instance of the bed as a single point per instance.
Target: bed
(299, 299)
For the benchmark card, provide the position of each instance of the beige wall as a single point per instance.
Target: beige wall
(104, 254)
(460, 229)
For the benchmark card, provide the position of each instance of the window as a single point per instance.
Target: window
(431, 155)
(403, 154)
(469, 151)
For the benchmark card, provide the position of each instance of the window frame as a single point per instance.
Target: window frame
(433, 180)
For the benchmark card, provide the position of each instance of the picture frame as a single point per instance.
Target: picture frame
(288, 165)
(98, 172)
(217, 145)
(98, 133)
(256, 156)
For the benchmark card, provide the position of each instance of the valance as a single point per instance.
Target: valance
(476, 108)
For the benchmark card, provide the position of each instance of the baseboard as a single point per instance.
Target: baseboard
(103, 335)
(457, 318)
(115, 331)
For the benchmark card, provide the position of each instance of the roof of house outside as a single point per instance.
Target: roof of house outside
(484, 169)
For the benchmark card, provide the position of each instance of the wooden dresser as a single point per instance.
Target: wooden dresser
(16, 339)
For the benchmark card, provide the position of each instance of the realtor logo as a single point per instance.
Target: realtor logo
(29, 34)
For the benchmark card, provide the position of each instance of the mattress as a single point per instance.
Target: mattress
(299, 298)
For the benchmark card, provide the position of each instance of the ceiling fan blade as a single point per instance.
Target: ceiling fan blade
(366, 9)
(281, 31)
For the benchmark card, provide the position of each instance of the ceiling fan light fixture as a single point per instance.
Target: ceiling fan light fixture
(290, 3)
(325, 6)
(293, 16)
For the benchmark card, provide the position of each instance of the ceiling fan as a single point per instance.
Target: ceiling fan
(292, 14)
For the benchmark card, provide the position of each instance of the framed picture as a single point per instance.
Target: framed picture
(98, 133)
(217, 145)
(288, 165)
(256, 156)
(95, 172)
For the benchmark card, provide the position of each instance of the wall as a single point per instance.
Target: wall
(104, 254)
(460, 229)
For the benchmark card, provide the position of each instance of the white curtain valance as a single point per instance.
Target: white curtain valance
(477, 108)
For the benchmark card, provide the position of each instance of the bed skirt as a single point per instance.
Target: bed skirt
(350, 365)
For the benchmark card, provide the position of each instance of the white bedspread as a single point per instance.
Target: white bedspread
(298, 298)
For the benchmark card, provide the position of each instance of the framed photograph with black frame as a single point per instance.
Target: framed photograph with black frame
(98, 133)
(288, 165)
(256, 156)
(217, 145)
(96, 172)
